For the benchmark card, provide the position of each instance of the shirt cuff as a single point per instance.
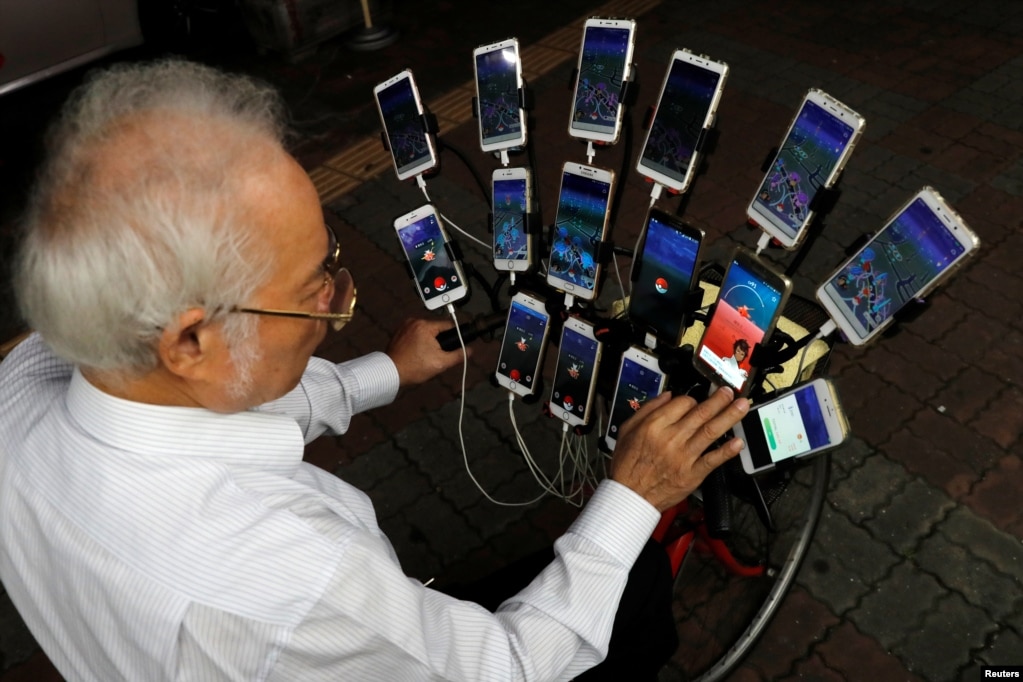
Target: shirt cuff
(376, 378)
(618, 520)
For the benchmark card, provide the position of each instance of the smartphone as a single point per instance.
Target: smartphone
(685, 109)
(439, 279)
(605, 63)
(639, 379)
(663, 273)
(498, 81)
(581, 224)
(401, 112)
(511, 199)
(525, 341)
(749, 303)
(575, 377)
(923, 243)
(804, 421)
(811, 156)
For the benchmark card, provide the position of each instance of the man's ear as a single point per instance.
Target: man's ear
(186, 345)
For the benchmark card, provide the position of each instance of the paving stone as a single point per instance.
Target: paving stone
(996, 497)
(435, 523)
(905, 592)
(378, 464)
(397, 491)
(910, 515)
(922, 458)
(1002, 419)
(942, 645)
(806, 621)
(1000, 549)
(830, 579)
(869, 488)
(1006, 649)
(843, 543)
(815, 669)
(851, 653)
(958, 568)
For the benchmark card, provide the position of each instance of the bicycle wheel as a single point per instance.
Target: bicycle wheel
(720, 615)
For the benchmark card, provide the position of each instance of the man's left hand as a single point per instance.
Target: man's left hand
(417, 354)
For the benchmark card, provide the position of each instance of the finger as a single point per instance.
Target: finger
(715, 458)
(707, 431)
(645, 412)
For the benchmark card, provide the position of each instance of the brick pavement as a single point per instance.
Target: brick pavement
(916, 569)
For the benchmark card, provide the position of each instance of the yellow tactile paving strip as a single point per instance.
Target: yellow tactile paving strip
(367, 158)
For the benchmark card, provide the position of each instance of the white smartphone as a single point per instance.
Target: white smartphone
(498, 71)
(639, 379)
(401, 112)
(581, 224)
(664, 272)
(605, 64)
(801, 422)
(685, 109)
(525, 343)
(920, 246)
(575, 377)
(511, 198)
(439, 279)
(812, 154)
(749, 304)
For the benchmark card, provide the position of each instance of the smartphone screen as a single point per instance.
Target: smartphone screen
(688, 95)
(403, 124)
(667, 264)
(787, 427)
(746, 308)
(636, 385)
(913, 250)
(523, 344)
(497, 82)
(423, 243)
(510, 208)
(578, 230)
(577, 359)
(602, 72)
(804, 163)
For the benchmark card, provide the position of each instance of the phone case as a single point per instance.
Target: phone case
(501, 120)
(411, 143)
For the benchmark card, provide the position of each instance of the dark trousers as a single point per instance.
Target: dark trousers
(643, 637)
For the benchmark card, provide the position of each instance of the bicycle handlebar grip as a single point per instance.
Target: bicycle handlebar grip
(717, 504)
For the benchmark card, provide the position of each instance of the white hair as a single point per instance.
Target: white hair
(137, 215)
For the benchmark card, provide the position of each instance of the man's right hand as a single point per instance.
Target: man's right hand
(660, 449)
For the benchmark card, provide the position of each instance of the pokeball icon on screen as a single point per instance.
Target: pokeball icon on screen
(568, 402)
(515, 374)
(439, 284)
(661, 285)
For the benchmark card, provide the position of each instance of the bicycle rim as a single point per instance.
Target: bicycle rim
(719, 615)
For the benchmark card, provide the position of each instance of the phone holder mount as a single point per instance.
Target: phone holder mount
(430, 126)
(705, 145)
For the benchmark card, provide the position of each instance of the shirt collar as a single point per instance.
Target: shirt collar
(261, 440)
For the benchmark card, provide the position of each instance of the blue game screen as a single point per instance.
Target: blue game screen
(688, 93)
(523, 343)
(403, 124)
(578, 230)
(497, 80)
(668, 261)
(636, 385)
(894, 266)
(805, 160)
(601, 77)
(577, 360)
(423, 242)
(510, 239)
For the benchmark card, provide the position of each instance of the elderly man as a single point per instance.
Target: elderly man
(156, 519)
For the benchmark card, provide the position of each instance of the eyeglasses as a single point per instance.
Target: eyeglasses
(342, 291)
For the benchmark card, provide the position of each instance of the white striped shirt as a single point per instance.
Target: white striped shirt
(144, 542)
